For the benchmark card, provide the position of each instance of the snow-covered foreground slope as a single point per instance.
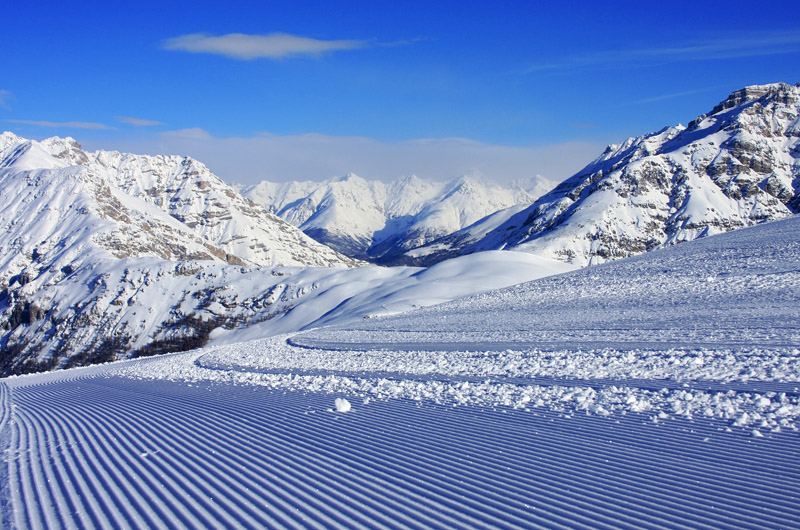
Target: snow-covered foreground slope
(655, 392)
(106, 452)
(116, 309)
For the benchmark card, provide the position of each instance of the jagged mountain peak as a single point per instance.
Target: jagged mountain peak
(770, 92)
(738, 166)
(180, 208)
(8, 138)
(66, 149)
(378, 221)
(348, 177)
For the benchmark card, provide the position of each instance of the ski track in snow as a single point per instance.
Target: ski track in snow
(99, 451)
(574, 401)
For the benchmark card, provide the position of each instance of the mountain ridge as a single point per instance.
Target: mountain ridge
(378, 221)
(108, 255)
(736, 166)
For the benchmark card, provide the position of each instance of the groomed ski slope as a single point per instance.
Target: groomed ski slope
(655, 392)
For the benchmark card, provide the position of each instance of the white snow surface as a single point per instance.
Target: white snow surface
(661, 391)
(706, 329)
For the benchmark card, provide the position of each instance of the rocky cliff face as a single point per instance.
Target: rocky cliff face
(734, 167)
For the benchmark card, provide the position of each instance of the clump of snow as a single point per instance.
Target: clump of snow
(342, 405)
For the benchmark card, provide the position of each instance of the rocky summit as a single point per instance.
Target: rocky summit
(736, 166)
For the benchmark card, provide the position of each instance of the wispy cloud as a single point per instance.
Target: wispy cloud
(741, 46)
(675, 95)
(192, 133)
(248, 47)
(5, 97)
(64, 124)
(138, 122)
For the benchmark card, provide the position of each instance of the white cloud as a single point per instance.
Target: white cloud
(740, 46)
(5, 97)
(138, 122)
(192, 133)
(674, 95)
(248, 47)
(64, 124)
(316, 156)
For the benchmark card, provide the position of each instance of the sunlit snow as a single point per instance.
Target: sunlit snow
(660, 391)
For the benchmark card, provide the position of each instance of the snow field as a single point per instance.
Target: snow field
(650, 333)
(636, 394)
(105, 451)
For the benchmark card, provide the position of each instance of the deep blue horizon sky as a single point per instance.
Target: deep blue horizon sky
(273, 90)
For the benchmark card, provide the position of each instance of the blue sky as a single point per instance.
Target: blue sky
(295, 90)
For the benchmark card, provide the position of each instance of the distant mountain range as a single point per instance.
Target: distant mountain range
(380, 222)
(105, 255)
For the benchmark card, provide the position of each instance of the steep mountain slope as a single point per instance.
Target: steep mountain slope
(377, 221)
(737, 166)
(189, 192)
(82, 233)
(65, 215)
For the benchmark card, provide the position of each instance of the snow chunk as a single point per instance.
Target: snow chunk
(342, 405)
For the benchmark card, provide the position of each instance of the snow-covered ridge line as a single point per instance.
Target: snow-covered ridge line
(735, 167)
(379, 221)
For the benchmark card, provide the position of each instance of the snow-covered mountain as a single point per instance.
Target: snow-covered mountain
(82, 233)
(107, 255)
(736, 166)
(197, 215)
(379, 221)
